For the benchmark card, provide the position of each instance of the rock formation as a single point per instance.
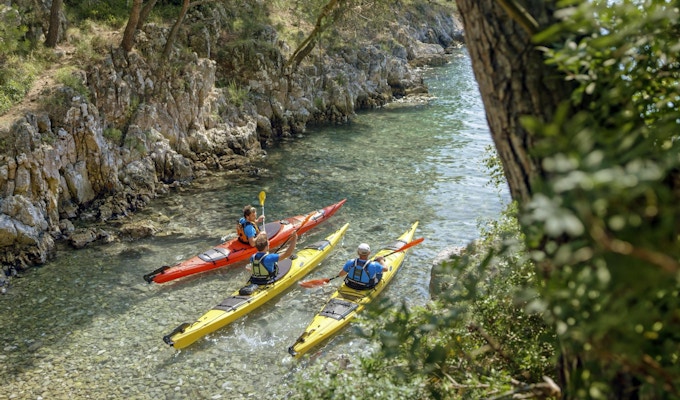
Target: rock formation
(145, 126)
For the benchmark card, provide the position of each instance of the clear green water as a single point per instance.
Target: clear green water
(86, 325)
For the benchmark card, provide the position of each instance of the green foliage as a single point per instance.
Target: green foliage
(69, 77)
(12, 32)
(90, 45)
(5, 103)
(16, 75)
(237, 94)
(494, 167)
(113, 13)
(251, 21)
(59, 102)
(372, 378)
(113, 134)
(606, 221)
(16, 78)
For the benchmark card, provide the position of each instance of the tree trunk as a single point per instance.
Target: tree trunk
(131, 28)
(144, 15)
(513, 81)
(309, 43)
(55, 22)
(174, 30)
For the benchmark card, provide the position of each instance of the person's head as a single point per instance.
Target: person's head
(261, 242)
(363, 250)
(249, 212)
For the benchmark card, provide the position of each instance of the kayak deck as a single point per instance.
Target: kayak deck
(253, 296)
(346, 302)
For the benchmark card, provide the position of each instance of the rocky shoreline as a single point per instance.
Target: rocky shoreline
(143, 130)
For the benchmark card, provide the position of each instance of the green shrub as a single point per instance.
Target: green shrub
(479, 335)
(113, 134)
(237, 94)
(369, 378)
(16, 78)
(69, 77)
(113, 13)
(12, 32)
(5, 103)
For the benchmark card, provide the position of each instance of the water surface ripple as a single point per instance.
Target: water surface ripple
(86, 325)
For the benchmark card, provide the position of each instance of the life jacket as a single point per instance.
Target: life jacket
(241, 230)
(259, 271)
(356, 272)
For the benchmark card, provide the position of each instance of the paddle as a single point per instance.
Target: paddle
(296, 231)
(263, 196)
(322, 281)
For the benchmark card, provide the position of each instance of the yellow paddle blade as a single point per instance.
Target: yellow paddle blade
(263, 196)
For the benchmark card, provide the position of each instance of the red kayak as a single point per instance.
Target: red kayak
(233, 251)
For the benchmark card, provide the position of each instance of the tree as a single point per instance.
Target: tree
(175, 28)
(334, 14)
(55, 22)
(144, 14)
(13, 34)
(513, 82)
(323, 20)
(128, 40)
(582, 104)
(138, 16)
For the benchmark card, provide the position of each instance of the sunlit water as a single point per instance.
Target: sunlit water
(86, 325)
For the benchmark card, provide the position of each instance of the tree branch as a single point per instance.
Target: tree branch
(491, 341)
(175, 28)
(520, 15)
(544, 390)
(461, 386)
(663, 261)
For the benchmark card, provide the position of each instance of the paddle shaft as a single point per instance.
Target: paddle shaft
(263, 196)
(296, 231)
(406, 246)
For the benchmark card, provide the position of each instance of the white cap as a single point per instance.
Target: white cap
(364, 249)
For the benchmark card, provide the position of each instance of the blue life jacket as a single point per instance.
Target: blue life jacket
(358, 278)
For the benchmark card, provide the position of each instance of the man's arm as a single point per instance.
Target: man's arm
(291, 247)
(381, 260)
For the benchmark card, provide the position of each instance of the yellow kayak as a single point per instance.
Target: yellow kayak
(346, 302)
(251, 297)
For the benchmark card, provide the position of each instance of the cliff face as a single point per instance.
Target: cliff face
(145, 126)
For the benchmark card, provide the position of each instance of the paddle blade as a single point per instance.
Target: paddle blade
(314, 283)
(263, 196)
(305, 221)
(411, 244)
(407, 246)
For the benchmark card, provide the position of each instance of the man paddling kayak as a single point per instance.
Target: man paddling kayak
(247, 229)
(361, 272)
(264, 265)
